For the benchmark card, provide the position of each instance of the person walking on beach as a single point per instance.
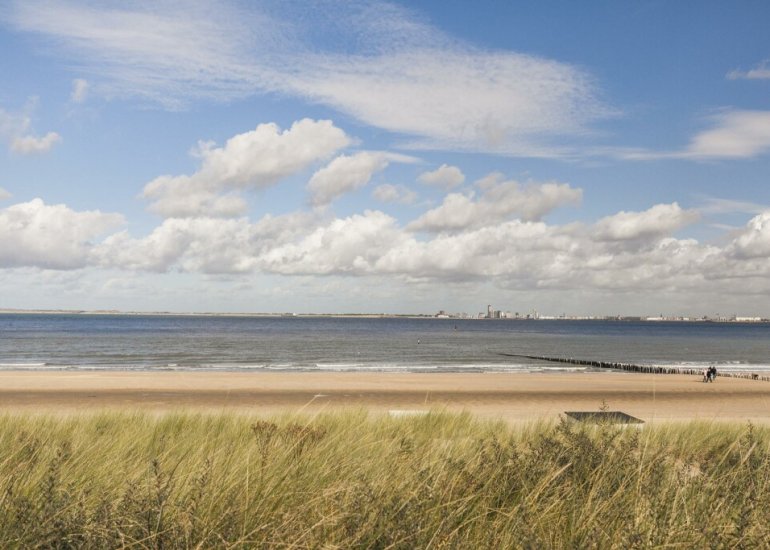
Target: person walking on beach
(712, 373)
(706, 375)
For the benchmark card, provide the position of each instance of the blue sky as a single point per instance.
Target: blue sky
(579, 158)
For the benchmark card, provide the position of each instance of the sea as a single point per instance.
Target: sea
(85, 342)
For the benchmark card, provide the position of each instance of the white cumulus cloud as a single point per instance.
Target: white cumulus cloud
(497, 202)
(753, 241)
(50, 236)
(350, 246)
(15, 128)
(658, 221)
(387, 192)
(347, 173)
(31, 144)
(760, 72)
(252, 160)
(444, 176)
(204, 244)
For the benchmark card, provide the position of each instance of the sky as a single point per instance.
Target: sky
(579, 158)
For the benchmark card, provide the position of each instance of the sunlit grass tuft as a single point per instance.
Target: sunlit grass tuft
(356, 479)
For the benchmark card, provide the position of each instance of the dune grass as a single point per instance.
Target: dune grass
(358, 480)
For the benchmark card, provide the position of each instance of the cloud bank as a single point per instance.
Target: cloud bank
(495, 231)
(628, 251)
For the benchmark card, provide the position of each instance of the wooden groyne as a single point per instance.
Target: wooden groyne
(630, 367)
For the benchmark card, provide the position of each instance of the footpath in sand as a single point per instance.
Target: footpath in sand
(513, 397)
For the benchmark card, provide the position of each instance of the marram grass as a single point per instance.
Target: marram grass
(358, 480)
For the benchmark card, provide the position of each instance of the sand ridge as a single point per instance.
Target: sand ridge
(510, 396)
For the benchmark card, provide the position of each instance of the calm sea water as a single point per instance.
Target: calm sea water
(136, 342)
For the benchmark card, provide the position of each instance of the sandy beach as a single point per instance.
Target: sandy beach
(513, 397)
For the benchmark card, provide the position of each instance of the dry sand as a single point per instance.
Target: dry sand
(513, 397)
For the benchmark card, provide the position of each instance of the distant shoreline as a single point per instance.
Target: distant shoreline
(612, 318)
(211, 314)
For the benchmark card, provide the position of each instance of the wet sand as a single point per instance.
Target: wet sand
(512, 397)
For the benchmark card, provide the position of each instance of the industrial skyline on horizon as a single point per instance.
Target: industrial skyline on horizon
(441, 314)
